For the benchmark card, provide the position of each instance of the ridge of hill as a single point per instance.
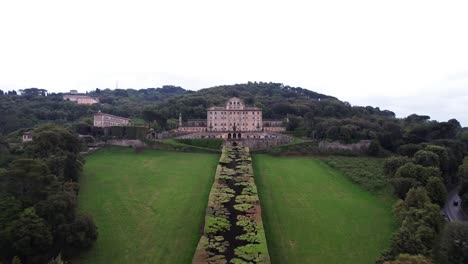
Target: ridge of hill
(311, 114)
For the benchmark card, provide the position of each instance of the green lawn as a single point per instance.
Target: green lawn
(314, 214)
(148, 207)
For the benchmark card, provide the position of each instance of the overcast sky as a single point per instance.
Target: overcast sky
(405, 56)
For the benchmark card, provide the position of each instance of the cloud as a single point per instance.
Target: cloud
(442, 100)
(408, 56)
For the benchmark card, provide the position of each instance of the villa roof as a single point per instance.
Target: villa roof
(246, 108)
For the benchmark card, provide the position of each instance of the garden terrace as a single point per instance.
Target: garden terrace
(233, 231)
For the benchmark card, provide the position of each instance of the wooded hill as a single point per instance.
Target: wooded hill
(311, 114)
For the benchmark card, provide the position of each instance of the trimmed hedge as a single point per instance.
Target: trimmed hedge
(172, 145)
(233, 231)
(211, 143)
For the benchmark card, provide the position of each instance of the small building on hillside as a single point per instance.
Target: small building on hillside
(192, 125)
(79, 98)
(273, 125)
(107, 120)
(27, 137)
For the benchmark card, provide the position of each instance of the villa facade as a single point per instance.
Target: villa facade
(107, 120)
(235, 116)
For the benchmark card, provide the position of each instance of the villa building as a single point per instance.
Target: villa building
(107, 120)
(235, 116)
(79, 98)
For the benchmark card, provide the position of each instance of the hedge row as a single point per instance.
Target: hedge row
(233, 231)
(211, 143)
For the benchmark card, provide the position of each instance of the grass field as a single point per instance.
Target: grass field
(148, 207)
(314, 214)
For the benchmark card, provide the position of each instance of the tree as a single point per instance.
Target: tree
(150, 115)
(33, 92)
(30, 236)
(409, 259)
(10, 209)
(392, 164)
(401, 186)
(409, 149)
(27, 180)
(16, 260)
(374, 148)
(417, 198)
(426, 158)
(453, 246)
(59, 208)
(57, 260)
(59, 149)
(420, 224)
(436, 190)
(463, 175)
(443, 157)
(81, 233)
(417, 172)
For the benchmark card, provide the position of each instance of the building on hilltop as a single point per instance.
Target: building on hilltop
(79, 98)
(107, 120)
(27, 136)
(235, 116)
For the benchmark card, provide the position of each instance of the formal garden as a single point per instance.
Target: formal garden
(233, 231)
(176, 207)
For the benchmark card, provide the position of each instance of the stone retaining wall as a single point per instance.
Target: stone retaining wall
(126, 143)
(361, 146)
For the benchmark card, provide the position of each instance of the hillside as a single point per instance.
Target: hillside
(311, 114)
(33, 107)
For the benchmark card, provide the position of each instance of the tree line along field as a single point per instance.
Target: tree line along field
(314, 214)
(148, 207)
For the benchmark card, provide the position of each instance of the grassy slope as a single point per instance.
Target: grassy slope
(314, 214)
(149, 207)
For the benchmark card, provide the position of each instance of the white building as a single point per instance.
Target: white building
(74, 96)
(27, 137)
(107, 120)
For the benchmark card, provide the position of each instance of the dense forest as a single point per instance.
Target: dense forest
(39, 180)
(39, 218)
(34, 106)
